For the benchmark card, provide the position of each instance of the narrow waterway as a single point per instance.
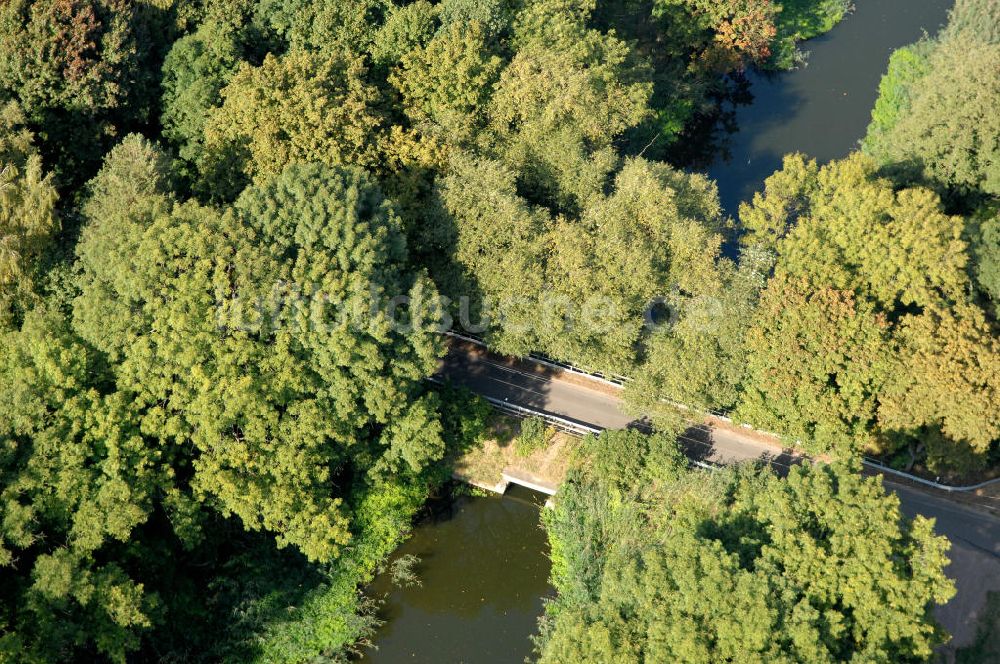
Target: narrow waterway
(483, 575)
(823, 107)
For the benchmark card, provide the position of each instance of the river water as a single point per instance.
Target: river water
(483, 561)
(484, 572)
(823, 107)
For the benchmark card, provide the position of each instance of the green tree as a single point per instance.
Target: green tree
(76, 479)
(697, 356)
(341, 26)
(71, 54)
(945, 388)
(448, 82)
(887, 259)
(975, 19)
(907, 66)
(495, 16)
(652, 563)
(299, 107)
(566, 95)
(940, 136)
(533, 437)
(986, 250)
(195, 71)
(578, 287)
(498, 235)
(406, 28)
(653, 236)
(232, 344)
(28, 217)
(817, 362)
(726, 34)
(83, 72)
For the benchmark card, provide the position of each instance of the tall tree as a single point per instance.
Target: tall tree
(342, 26)
(229, 332)
(891, 257)
(447, 83)
(653, 563)
(406, 28)
(76, 479)
(817, 362)
(28, 218)
(577, 287)
(566, 95)
(986, 249)
(696, 353)
(195, 71)
(975, 19)
(84, 71)
(948, 131)
(299, 107)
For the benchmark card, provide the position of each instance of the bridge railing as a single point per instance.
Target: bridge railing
(567, 426)
(620, 381)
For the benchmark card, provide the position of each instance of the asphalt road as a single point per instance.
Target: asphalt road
(974, 533)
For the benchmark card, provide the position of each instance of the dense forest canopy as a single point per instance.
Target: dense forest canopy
(230, 230)
(654, 563)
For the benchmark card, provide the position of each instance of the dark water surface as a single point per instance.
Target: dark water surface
(823, 107)
(484, 571)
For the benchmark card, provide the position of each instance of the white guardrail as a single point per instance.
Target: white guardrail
(620, 381)
(568, 426)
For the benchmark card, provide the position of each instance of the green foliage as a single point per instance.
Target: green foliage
(341, 26)
(406, 28)
(465, 418)
(221, 349)
(208, 384)
(299, 107)
(334, 617)
(817, 362)
(28, 217)
(77, 479)
(729, 34)
(566, 95)
(977, 20)
(907, 65)
(947, 381)
(533, 437)
(939, 134)
(202, 388)
(577, 287)
(495, 16)
(803, 19)
(196, 69)
(75, 55)
(83, 71)
(986, 249)
(871, 283)
(724, 35)
(698, 357)
(447, 83)
(786, 196)
(653, 563)
(402, 573)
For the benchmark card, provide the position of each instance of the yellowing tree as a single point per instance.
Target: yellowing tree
(28, 217)
(299, 107)
(895, 254)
